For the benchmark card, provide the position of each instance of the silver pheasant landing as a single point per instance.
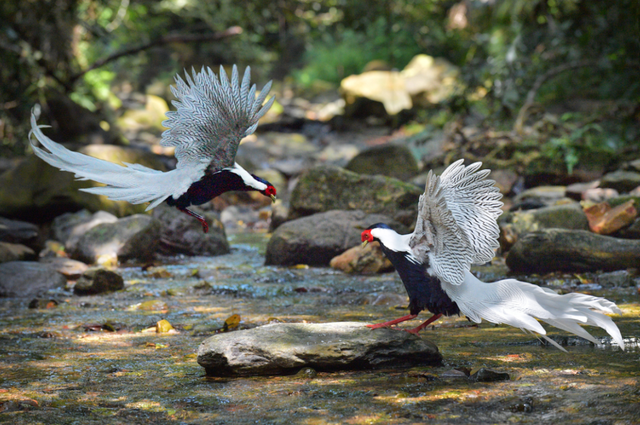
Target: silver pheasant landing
(457, 227)
(212, 116)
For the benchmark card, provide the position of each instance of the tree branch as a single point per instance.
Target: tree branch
(176, 38)
(528, 103)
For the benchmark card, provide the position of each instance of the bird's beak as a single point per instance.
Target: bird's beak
(273, 198)
(364, 243)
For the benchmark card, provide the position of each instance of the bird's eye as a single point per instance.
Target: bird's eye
(270, 190)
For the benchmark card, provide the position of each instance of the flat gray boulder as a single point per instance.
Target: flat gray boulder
(572, 250)
(316, 239)
(28, 279)
(326, 188)
(284, 348)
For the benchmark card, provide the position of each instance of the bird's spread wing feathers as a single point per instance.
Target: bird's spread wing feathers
(132, 182)
(212, 116)
(456, 224)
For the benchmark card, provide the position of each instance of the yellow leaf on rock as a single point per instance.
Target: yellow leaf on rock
(232, 322)
(163, 326)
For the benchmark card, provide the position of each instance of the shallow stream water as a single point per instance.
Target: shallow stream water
(96, 359)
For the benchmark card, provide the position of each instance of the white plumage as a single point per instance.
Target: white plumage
(457, 227)
(212, 116)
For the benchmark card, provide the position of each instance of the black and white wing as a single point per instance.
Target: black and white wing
(456, 224)
(212, 116)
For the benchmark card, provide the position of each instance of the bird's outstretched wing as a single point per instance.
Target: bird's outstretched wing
(456, 224)
(212, 116)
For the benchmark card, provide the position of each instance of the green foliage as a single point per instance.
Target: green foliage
(577, 142)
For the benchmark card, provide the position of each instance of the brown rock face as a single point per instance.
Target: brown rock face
(367, 260)
(605, 220)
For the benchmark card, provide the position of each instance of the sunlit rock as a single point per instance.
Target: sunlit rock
(28, 279)
(369, 259)
(135, 237)
(285, 348)
(425, 80)
(604, 219)
(68, 228)
(71, 269)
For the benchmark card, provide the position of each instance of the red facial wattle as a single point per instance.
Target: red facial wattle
(270, 191)
(367, 236)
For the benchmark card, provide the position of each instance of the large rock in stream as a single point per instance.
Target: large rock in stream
(182, 234)
(316, 239)
(390, 160)
(572, 250)
(284, 348)
(326, 188)
(131, 238)
(28, 279)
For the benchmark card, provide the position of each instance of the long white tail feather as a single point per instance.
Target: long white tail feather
(519, 304)
(133, 183)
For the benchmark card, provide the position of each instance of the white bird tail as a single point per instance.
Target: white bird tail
(519, 304)
(133, 183)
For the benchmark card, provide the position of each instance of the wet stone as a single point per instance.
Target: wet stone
(316, 239)
(488, 375)
(616, 279)
(69, 268)
(285, 348)
(96, 281)
(18, 232)
(182, 234)
(27, 279)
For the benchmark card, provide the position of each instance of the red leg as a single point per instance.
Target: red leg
(205, 226)
(424, 325)
(393, 322)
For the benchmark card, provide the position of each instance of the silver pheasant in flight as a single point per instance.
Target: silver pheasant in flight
(457, 227)
(212, 115)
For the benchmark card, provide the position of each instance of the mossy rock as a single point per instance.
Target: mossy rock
(572, 250)
(326, 188)
(389, 160)
(36, 192)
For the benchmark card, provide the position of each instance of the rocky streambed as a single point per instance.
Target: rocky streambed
(130, 356)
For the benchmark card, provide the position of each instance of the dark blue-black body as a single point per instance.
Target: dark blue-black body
(425, 292)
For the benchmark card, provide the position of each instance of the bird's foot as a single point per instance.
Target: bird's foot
(393, 322)
(205, 226)
(417, 329)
